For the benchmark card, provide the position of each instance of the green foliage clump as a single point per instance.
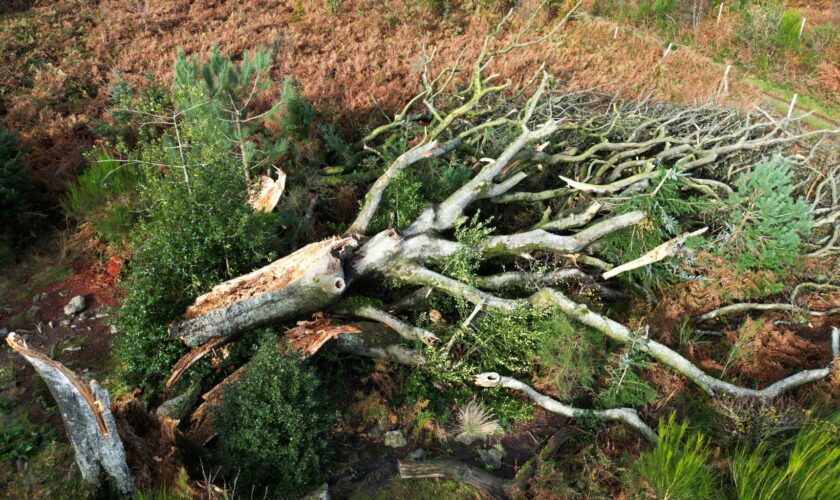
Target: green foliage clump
(411, 191)
(274, 426)
(16, 194)
(464, 263)
(787, 36)
(624, 385)
(766, 223)
(810, 471)
(568, 356)
(677, 467)
(105, 195)
(197, 229)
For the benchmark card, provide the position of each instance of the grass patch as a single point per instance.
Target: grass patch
(783, 94)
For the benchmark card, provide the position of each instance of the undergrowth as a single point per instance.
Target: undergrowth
(275, 425)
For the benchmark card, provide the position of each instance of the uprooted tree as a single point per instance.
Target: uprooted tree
(578, 153)
(580, 157)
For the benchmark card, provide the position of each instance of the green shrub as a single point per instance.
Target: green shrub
(766, 222)
(787, 36)
(274, 427)
(678, 466)
(197, 230)
(106, 195)
(16, 194)
(568, 357)
(811, 471)
(624, 386)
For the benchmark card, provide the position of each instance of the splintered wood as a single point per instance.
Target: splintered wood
(267, 198)
(309, 336)
(87, 416)
(302, 282)
(279, 274)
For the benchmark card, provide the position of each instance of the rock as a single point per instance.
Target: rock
(114, 330)
(65, 323)
(416, 454)
(179, 406)
(320, 493)
(4, 332)
(378, 431)
(492, 457)
(395, 439)
(51, 324)
(75, 306)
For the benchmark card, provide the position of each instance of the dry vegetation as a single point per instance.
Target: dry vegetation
(484, 298)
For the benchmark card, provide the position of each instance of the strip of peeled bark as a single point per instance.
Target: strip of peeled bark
(87, 417)
(300, 283)
(661, 252)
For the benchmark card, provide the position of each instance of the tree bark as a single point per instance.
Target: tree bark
(87, 416)
(300, 283)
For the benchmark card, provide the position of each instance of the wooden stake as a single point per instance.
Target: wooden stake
(724, 85)
(668, 50)
(801, 28)
(720, 11)
(615, 35)
(792, 105)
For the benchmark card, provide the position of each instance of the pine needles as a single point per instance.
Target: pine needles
(812, 471)
(678, 466)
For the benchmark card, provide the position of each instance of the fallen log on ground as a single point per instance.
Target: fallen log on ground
(483, 481)
(300, 283)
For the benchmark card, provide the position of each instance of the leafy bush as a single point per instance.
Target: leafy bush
(197, 229)
(766, 222)
(274, 426)
(788, 35)
(677, 467)
(568, 356)
(624, 385)
(811, 471)
(16, 193)
(106, 195)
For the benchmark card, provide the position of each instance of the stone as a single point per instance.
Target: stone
(321, 493)
(114, 330)
(416, 454)
(51, 324)
(4, 331)
(378, 431)
(65, 323)
(395, 439)
(75, 306)
(492, 457)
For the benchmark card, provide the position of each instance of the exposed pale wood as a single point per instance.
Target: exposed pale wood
(86, 412)
(659, 253)
(300, 283)
(190, 358)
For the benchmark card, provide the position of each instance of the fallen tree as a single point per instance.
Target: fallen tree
(578, 156)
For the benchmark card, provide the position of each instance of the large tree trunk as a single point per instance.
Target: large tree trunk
(298, 284)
